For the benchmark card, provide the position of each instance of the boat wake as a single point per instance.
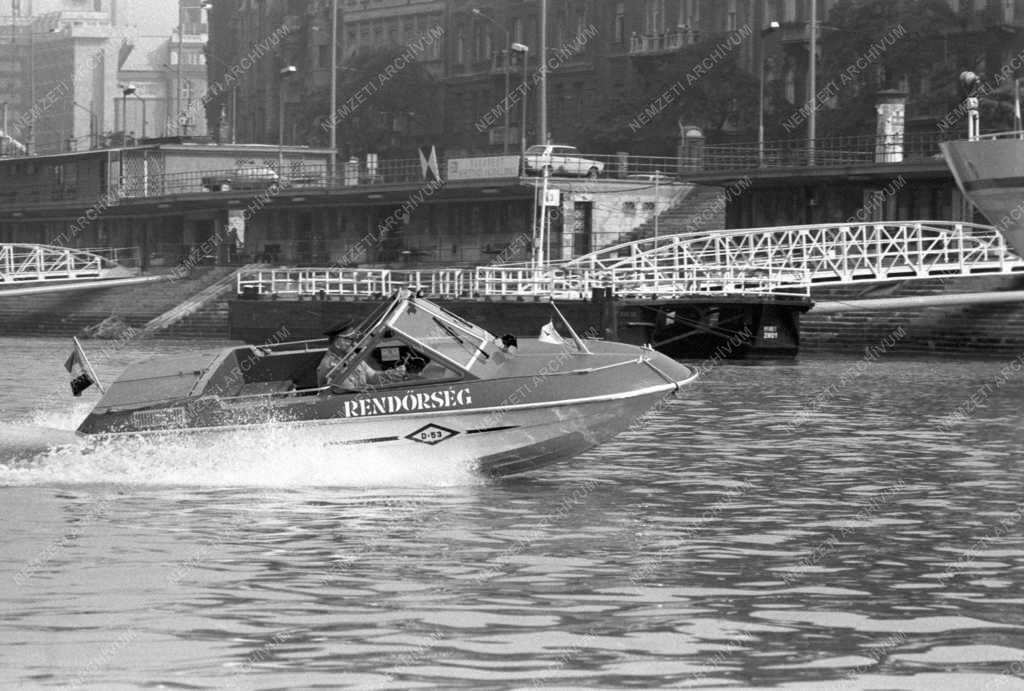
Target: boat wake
(271, 456)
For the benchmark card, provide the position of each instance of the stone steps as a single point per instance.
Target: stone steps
(984, 329)
(703, 209)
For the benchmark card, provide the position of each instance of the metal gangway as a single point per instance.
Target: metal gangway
(785, 260)
(27, 264)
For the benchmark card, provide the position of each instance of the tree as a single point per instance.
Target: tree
(919, 46)
(386, 103)
(701, 85)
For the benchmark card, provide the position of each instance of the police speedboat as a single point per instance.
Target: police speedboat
(444, 389)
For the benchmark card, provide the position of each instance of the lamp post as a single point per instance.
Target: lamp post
(525, 50)
(31, 139)
(334, 93)
(772, 26)
(542, 102)
(181, 50)
(508, 56)
(285, 73)
(812, 78)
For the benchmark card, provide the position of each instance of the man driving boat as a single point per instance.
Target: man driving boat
(360, 376)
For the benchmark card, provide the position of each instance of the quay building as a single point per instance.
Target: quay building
(223, 149)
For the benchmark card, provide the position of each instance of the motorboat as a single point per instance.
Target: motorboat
(445, 389)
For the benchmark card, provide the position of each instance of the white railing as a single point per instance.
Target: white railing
(796, 257)
(1015, 134)
(21, 263)
(785, 260)
(351, 283)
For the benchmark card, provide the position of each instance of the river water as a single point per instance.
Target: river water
(840, 523)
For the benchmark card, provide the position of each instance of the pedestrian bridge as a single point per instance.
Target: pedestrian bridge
(26, 264)
(786, 260)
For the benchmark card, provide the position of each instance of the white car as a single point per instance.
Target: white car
(254, 178)
(557, 159)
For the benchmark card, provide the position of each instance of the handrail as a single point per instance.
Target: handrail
(785, 260)
(1012, 134)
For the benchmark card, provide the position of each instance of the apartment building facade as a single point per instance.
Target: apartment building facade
(597, 51)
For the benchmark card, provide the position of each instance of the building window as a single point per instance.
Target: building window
(1008, 7)
(517, 30)
(581, 20)
(789, 11)
(730, 16)
(460, 45)
(790, 84)
(693, 13)
(478, 42)
(619, 24)
(654, 17)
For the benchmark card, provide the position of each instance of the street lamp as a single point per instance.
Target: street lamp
(285, 73)
(508, 56)
(334, 93)
(181, 50)
(525, 50)
(772, 26)
(812, 86)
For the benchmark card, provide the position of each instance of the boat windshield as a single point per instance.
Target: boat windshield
(434, 328)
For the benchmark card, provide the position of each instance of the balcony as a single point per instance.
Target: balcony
(500, 60)
(667, 42)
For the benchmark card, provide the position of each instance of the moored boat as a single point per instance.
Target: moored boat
(413, 378)
(989, 171)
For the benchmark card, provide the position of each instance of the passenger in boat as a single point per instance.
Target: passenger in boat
(342, 339)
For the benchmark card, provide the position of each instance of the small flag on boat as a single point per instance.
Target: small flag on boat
(82, 375)
(549, 335)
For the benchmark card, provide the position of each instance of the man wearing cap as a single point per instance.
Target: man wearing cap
(361, 375)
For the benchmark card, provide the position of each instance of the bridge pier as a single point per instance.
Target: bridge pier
(728, 327)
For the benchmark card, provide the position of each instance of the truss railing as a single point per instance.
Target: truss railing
(781, 261)
(36, 263)
(792, 258)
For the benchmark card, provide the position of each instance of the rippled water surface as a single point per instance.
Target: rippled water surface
(820, 523)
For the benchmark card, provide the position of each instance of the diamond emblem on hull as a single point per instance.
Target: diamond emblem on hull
(431, 434)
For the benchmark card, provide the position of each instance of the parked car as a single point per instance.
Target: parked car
(558, 159)
(254, 178)
(650, 177)
(242, 178)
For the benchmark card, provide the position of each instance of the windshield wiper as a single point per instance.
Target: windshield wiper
(448, 330)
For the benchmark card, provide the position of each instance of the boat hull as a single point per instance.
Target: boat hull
(990, 173)
(550, 403)
(494, 441)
